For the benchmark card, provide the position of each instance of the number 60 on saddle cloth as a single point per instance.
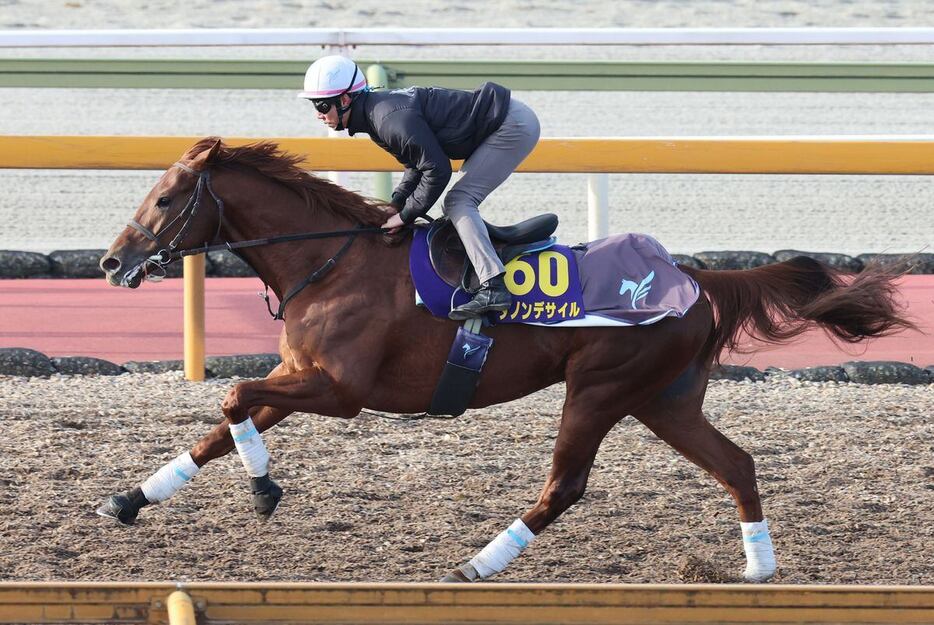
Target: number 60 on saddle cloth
(622, 280)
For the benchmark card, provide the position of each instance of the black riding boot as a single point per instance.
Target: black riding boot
(493, 296)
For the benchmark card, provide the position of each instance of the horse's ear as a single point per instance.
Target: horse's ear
(201, 160)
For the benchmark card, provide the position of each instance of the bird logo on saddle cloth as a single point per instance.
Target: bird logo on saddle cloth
(464, 268)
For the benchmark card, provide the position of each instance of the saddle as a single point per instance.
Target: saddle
(449, 258)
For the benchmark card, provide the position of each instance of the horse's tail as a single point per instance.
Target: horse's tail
(775, 303)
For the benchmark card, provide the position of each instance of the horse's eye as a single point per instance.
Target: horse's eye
(163, 202)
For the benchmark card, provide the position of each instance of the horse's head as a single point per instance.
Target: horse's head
(178, 212)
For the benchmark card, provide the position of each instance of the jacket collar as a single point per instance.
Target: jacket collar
(358, 119)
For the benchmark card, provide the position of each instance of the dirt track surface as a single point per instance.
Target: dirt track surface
(846, 473)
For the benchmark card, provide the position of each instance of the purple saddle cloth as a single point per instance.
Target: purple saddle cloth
(625, 279)
(630, 279)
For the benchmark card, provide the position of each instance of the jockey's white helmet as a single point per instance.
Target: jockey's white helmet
(332, 76)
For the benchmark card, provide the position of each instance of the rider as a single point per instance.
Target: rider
(425, 127)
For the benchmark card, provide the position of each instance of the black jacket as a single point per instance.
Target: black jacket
(425, 127)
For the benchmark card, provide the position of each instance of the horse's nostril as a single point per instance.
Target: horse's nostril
(110, 264)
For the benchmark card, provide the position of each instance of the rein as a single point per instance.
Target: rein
(273, 240)
(171, 253)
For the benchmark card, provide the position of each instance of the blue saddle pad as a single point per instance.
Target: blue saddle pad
(545, 285)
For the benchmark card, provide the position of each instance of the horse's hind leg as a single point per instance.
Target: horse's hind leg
(677, 419)
(576, 447)
(602, 388)
(608, 376)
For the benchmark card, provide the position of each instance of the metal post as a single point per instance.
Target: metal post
(194, 317)
(598, 206)
(376, 76)
(181, 610)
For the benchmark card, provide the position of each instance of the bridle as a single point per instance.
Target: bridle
(169, 254)
(166, 255)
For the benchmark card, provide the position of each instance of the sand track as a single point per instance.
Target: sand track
(846, 474)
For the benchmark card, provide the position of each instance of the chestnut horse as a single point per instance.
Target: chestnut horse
(354, 339)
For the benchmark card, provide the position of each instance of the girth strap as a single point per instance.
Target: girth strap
(461, 373)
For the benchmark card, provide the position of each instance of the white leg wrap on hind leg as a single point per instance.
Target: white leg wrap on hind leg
(166, 481)
(760, 557)
(250, 446)
(503, 549)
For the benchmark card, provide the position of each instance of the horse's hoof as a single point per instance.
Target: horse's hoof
(461, 575)
(455, 577)
(266, 496)
(124, 507)
(758, 577)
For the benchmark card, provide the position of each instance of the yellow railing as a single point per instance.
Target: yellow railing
(671, 155)
(647, 604)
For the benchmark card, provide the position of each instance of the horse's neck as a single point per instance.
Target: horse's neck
(266, 209)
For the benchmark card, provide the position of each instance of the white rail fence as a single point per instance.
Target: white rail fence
(346, 37)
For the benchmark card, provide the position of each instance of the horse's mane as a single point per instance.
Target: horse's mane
(268, 159)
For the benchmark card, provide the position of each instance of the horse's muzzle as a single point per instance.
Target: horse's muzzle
(113, 268)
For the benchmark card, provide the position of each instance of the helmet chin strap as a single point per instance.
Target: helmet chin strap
(341, 110)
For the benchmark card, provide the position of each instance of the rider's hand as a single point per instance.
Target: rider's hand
(395, 222)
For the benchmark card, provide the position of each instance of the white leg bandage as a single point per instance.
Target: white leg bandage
(760, 558)
(166, 481)
(250, 446)
(503, 550)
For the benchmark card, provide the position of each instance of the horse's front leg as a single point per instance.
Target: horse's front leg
(179, 471)
(309, 391)
(290, 390)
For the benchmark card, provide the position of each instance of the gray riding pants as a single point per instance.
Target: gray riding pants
(485, 169)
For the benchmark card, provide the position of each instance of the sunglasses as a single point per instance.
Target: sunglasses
(323, 106)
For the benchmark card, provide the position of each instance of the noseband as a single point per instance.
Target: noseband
(167, 254)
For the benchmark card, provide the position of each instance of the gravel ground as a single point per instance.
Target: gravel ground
(845, 471)
(689, 214)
